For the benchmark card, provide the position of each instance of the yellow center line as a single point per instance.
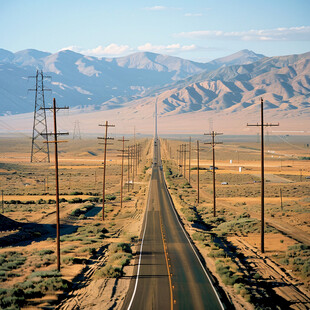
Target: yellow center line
(168, 269)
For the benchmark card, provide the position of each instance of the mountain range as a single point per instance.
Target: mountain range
(84, 81)
(125, 87)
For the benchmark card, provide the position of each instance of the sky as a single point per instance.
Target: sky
(199, 30)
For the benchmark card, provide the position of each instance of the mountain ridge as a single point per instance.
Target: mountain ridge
(84, 81)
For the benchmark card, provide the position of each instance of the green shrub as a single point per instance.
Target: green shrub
(305, 270)
(110, 197)
(76, 200)
(68, 249)
(227, 275)
(199, 236)
(76, 193)
(120, 247)
(92, 251)
(257, 276)
(217, 253)
(45, 274)
(45, 252)
(109, 271)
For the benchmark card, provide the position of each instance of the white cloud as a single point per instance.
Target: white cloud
(193, 14)
(161, 8)
(277, 34)
(156, 8)
(101, 51)
(167, 49)
(115, 50)
(112, 49)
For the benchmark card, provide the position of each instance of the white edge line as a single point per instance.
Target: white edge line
(216, 293)
(138, 271)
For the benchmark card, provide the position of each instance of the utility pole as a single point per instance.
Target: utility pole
(197, 171)
(189, 159)
(39, 147)
(184, 160)
(281, 199)
(136, 157)
(2, 202)
(106, 138)
(179, 157)
(128, 168)
(56, 134)
(69, 179)
(132, 149)
(262, 125)
(122, 173)
(213, 134)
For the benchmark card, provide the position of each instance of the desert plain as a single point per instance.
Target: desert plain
(98, 256)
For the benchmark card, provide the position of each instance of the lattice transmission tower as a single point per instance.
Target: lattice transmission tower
(77, 131)
(39, 147)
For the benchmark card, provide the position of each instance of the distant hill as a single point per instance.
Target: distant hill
(124, 89)
(88, 82)
(284, 82)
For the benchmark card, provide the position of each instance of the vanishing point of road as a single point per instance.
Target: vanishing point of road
(169, 273)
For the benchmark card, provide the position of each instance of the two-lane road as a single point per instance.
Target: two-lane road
(169, 274)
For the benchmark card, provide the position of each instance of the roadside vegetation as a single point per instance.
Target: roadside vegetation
(215, 235)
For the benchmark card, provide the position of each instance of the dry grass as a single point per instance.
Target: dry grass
(84, 237)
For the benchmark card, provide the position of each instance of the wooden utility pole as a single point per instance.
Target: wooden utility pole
(132, 149)
(56, 134)
(197, 171)
(189, 159)
(179, 158)
(46, 184)
(184, 160)
(106, 125)
(262, 125)
(128, 167)
(122, 173)
(2, 202)
(213, 134)
(281, 199)
(136, 157)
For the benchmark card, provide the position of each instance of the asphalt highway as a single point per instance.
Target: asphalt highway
(169, 274)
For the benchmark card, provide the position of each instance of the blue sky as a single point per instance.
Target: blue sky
(199, 30)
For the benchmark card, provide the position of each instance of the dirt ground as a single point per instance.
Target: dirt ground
(29, 189)
(287, 221)
(29, 199)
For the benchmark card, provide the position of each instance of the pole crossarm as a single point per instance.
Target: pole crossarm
(106, 125)
(265, 125)
(56, 108)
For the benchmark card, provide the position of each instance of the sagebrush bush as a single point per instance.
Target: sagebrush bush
(109, 271)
